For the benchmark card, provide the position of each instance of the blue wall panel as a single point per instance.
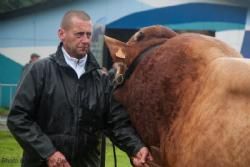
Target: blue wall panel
(10, 74)
(187, 13)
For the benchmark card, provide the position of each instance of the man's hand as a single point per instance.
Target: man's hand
(141, 157)
(57, 159)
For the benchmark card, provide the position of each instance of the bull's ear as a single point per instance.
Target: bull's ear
(116, 48)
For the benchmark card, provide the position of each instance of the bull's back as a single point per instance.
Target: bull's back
(215, 131)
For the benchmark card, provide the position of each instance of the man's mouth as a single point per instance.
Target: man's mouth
(83, 48)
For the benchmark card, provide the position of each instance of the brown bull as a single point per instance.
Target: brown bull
(188, 95)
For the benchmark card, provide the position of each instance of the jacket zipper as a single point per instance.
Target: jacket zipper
(77, 110)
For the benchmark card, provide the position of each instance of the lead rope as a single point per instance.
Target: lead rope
(103, 150)
(114, 153)
(103, 142)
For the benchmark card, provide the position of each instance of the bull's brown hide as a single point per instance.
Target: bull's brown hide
(189, 96)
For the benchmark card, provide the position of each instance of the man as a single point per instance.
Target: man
(63, 103)
(33, 58)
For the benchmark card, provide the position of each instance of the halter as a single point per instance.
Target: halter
(122, 78)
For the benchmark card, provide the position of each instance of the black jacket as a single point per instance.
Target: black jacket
(54, 110)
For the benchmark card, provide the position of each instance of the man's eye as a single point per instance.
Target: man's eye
(88, 34)
(81, 34)
(77, 35)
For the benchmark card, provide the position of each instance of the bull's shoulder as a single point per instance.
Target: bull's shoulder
(220, 112)
(231, 74)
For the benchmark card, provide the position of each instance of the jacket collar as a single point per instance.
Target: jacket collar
(91, 63)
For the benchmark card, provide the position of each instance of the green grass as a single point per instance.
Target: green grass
(4, 111)
(121, 157)
(10, 153)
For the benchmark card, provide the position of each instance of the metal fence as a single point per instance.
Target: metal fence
(7, 92)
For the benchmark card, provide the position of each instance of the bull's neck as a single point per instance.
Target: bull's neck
(139, 58)
(142, 48)
(158, 91)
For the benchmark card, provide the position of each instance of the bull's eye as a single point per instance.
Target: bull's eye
(139, 36)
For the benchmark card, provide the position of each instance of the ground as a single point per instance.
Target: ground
(10, 153)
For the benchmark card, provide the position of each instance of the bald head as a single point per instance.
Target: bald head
(67, 18)
(75, 33)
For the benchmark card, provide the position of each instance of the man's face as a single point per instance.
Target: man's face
(77, 37)
(33, 59)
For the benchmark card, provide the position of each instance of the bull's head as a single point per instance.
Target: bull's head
(126, 53)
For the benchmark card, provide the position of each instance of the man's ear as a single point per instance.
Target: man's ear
(116, 48)
(61, 34)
